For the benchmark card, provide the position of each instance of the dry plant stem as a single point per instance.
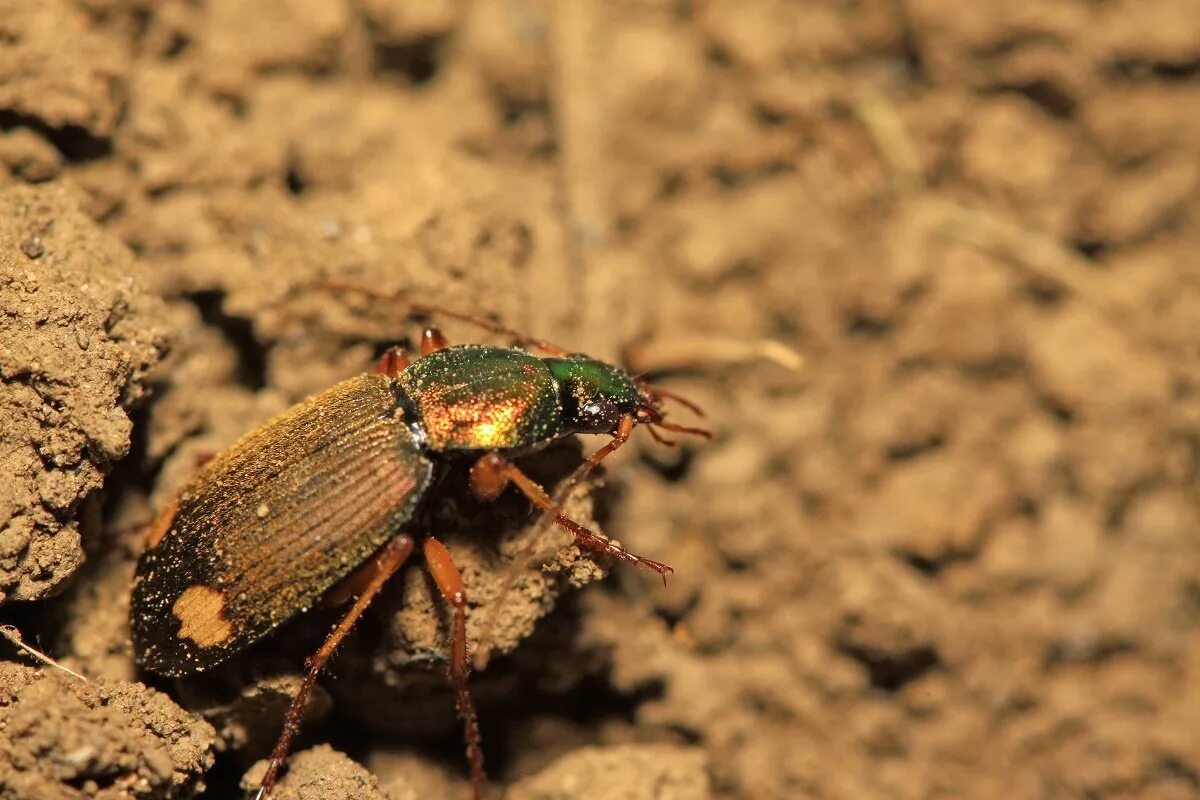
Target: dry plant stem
(706, 352)
(1037, 255)
(389, 559)
(450, 583)
(13, 635)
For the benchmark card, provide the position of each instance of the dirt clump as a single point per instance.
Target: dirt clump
(632, 772)
(61, 737)
(323, 773)
(77, 340)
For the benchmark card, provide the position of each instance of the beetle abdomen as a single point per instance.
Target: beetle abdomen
(475, 397)
(268, 526)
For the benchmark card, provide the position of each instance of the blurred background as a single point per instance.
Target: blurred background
(931, 268)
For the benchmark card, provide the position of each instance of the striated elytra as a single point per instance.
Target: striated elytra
(267, 527)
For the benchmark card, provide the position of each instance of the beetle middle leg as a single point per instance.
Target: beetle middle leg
(492, 472)
(386, 562)
(449, 582)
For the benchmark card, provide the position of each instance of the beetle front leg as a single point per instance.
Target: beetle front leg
(624, 430)
(386, 562)
(492, 472)
(449, 582)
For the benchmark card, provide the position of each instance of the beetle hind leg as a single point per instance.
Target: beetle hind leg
(450, 584)
(386, 562)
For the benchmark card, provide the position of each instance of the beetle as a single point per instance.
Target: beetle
(320, 501)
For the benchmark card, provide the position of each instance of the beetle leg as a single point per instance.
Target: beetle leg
(386, 562)
(624, 429)
(489, 476)
(449, 582)
(432, 340)
(393, 361)
(492, 472)
(349, 587)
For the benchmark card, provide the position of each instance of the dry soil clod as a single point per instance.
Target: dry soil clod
(63, 739)
(78, 337)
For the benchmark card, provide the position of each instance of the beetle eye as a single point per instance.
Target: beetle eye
(599, 414)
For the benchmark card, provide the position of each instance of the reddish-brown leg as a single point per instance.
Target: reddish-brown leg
(386, 562)
(393, 361)
(433, 340)
(624, 429)
(492, 472)
(450, 584)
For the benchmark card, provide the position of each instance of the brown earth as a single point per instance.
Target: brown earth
(933, 270)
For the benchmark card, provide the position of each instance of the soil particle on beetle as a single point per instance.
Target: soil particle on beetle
(63, 738)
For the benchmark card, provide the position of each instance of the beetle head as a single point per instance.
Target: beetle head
(595, 396)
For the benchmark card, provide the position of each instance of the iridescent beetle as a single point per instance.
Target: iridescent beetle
(314, 503)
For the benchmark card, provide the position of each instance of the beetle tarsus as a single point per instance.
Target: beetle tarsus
(268, 781)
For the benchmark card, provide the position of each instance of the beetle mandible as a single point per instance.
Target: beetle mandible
(319, 501)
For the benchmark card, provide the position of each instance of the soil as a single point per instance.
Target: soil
(930, 268)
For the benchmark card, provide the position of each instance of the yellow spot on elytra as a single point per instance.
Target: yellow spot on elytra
(200, 611)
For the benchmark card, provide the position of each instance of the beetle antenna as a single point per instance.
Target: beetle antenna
(703, 433)
(658, 437)
(428, 309)
(683, 401)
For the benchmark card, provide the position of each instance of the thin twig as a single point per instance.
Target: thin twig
(11, 633)
(700, 352)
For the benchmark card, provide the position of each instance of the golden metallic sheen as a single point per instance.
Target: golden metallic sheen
(482, 398)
